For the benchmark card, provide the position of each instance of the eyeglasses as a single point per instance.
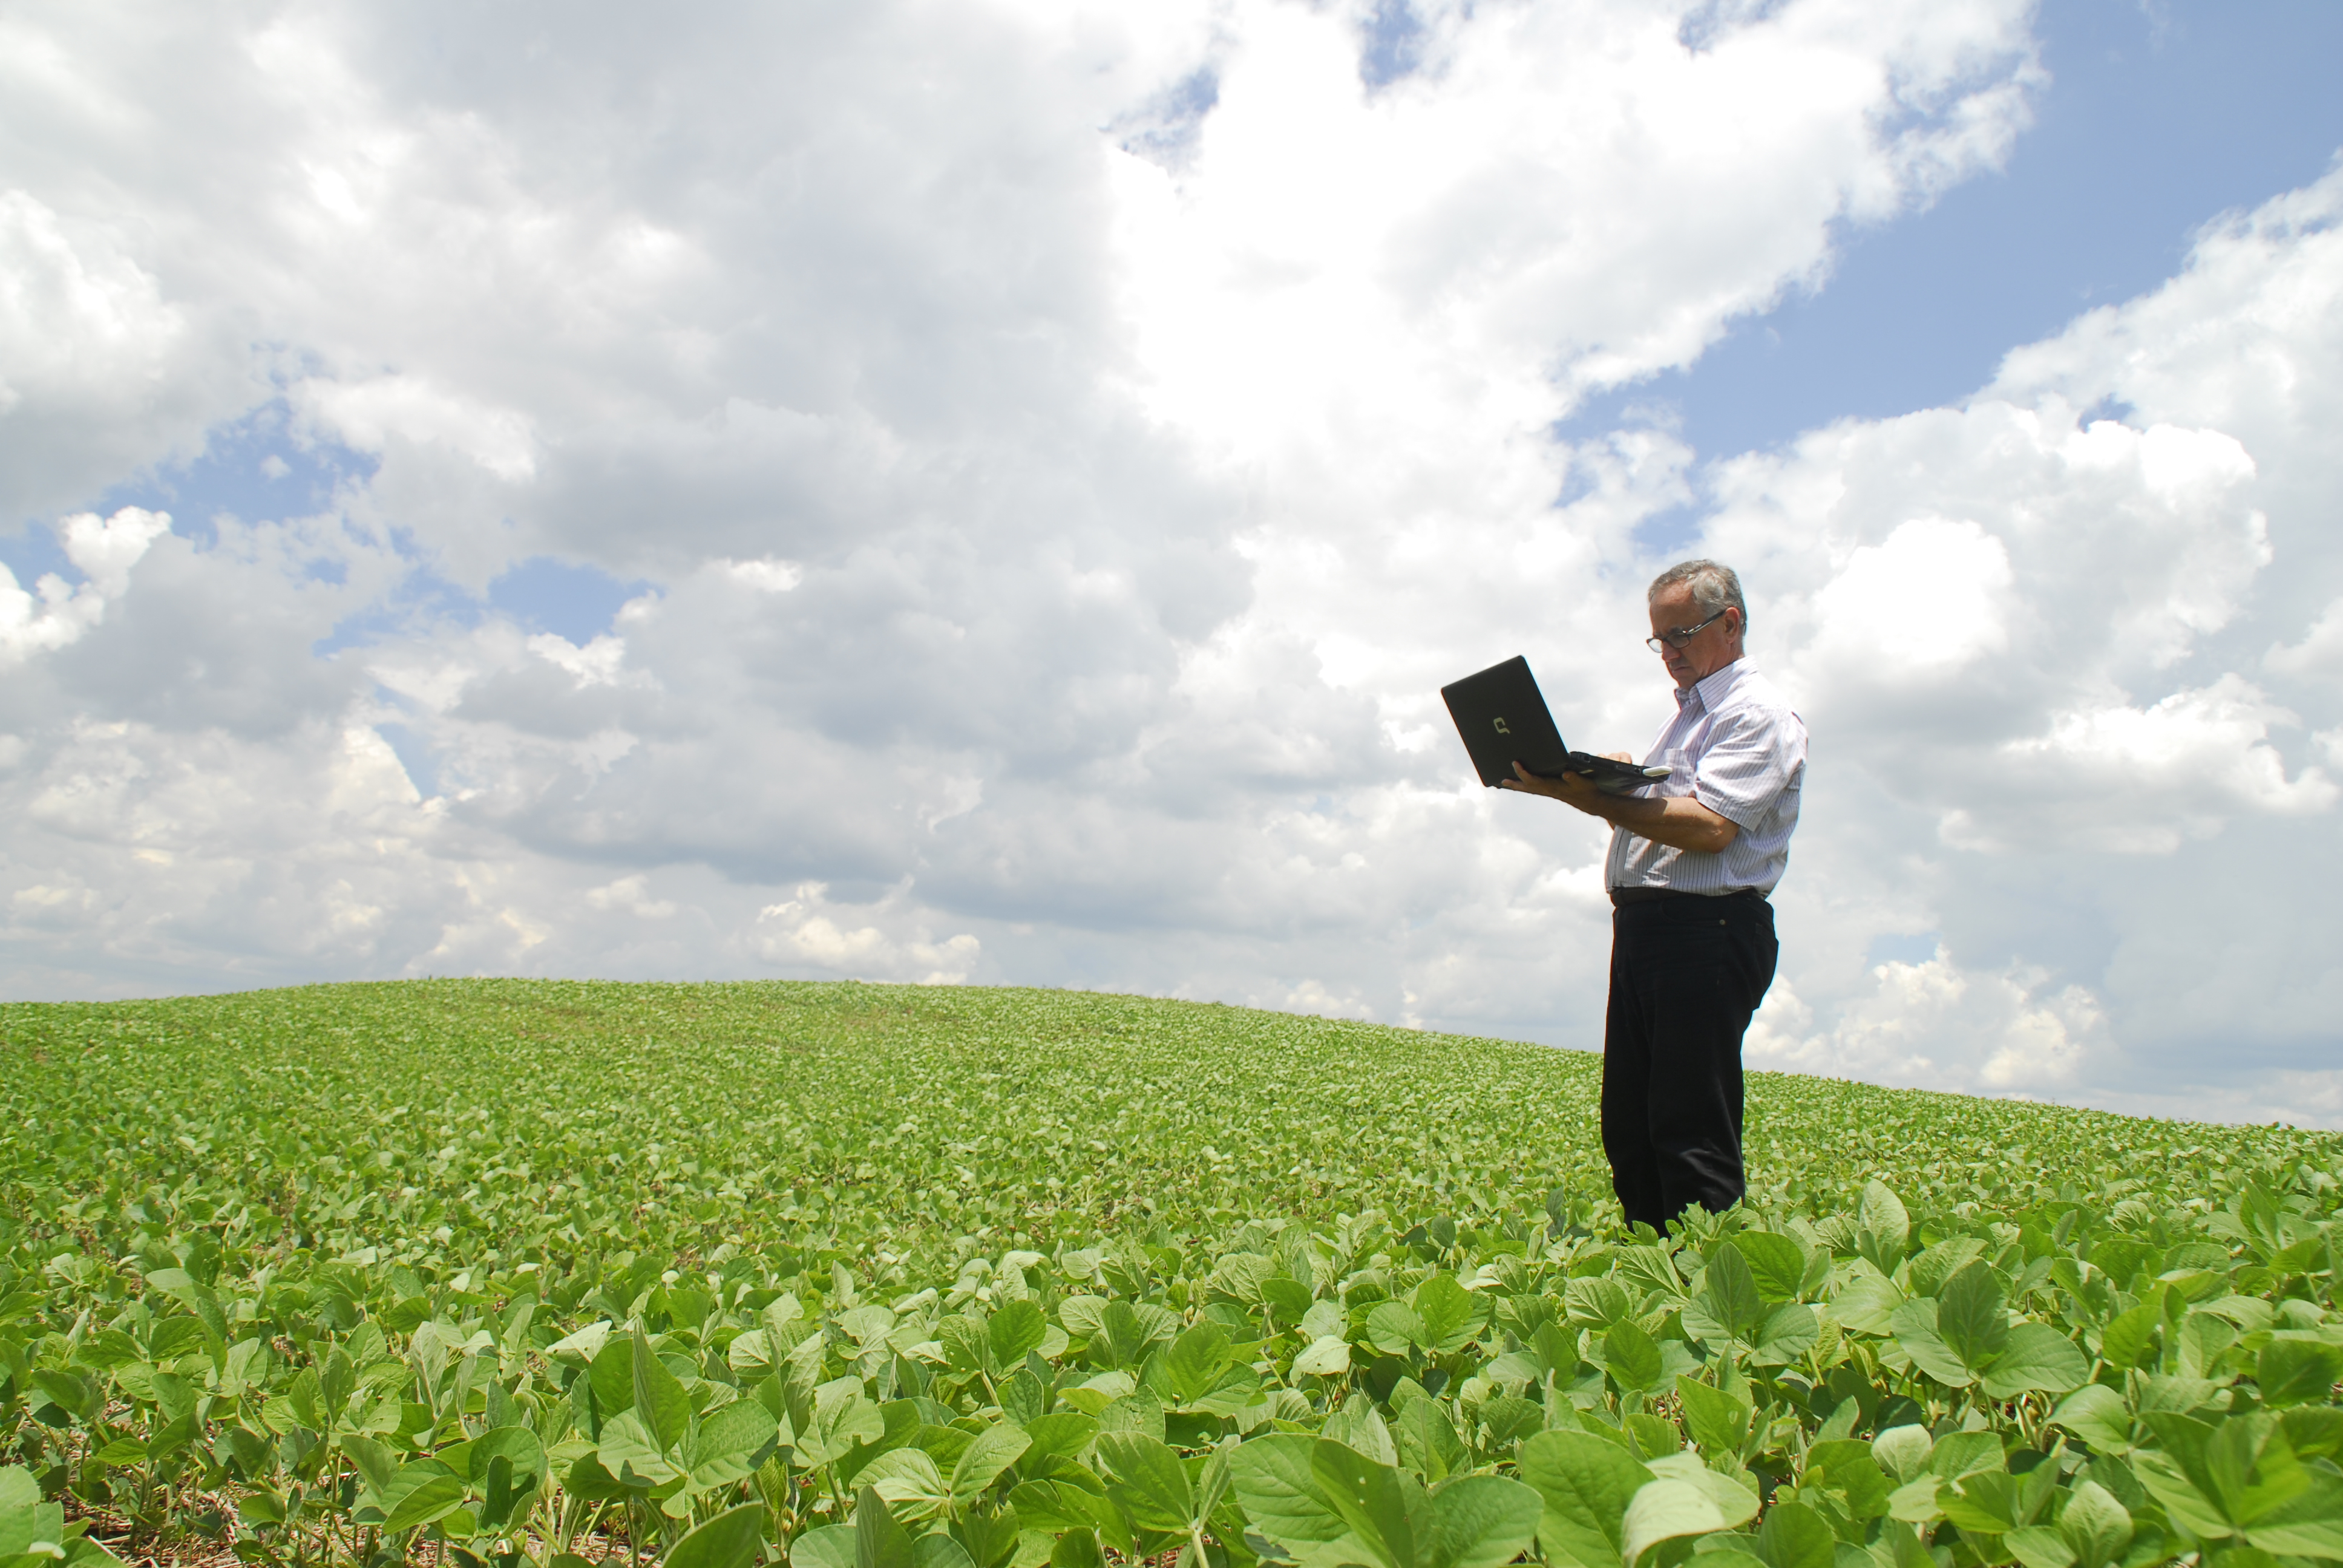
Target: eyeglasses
(1676, 637)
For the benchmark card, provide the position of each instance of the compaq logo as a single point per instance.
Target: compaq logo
(1501, 727)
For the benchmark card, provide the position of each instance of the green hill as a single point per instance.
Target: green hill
(529, 1118)
(873, 1277)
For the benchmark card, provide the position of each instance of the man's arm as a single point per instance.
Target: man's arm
(1679, 821)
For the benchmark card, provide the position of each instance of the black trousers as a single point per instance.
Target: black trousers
(1687, 973)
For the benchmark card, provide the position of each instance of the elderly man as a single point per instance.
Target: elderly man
(1692, 861)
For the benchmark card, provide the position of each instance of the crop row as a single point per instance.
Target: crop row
(2062, 1389)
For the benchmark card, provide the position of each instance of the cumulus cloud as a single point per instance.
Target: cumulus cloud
(806, 929)
(1059, 451)
(54, 613)
(1936, 1025)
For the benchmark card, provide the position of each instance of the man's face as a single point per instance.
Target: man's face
(1717, 645)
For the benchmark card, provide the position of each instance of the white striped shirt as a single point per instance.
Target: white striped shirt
(1737, 746)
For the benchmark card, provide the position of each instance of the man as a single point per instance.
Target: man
(1692, 861)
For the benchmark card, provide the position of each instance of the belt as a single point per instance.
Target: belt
(1621, 896)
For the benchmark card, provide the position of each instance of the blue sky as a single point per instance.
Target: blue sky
(990, 492)
(2158, 119)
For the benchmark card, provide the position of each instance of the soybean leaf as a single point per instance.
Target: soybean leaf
(2313, 1433)
(825, 1546)
(612, 1376)
(661, 1402)
(1903, 1451)
(1730, 1297)
(1067, 1433)
(2308, 1525)
(1358, 1424)
(1598, 1301)
(1329, 1356)
(729, 1444)
(1866, 1304)
(1585, 1483)
(420, 1495)
(1451, 1315)
(2096, 1414)
(1973, 1316)
(2097, 1527)
(730, 1540)
(966, 1343)
(1128, 1329)
(1392, 1327)
(941, 1552)
(1376, 1500)
(1964, 1453)
(518, 1445)
(1777, 1263)
(996, 1448)
(2035, 1357)
(627, 1452)
(1735, 1500)
(2039, 1547)
(879, 1542)
(1427, 1440)
(1790, 1331)
(2129, 1340)
(1015, 1330)
(1148, 1480)
(1273, 1484)
(1483, 1521)
(376, 1467)
(1915, 1327)
(1076, 1549)
(1882, 1214)
(1631, 1358)
(2298, 1371)
(1195, 1362)
(908, 1481)
(1662, 1509)
(1795, 1536)
(1718, 1422)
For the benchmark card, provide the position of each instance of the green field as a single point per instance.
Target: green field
(971, 1279)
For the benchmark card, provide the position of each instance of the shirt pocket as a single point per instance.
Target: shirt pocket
(1679, 781)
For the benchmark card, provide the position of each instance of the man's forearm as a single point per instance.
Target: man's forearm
(1679, 821)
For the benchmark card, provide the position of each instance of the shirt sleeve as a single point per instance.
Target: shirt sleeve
(1752, 757)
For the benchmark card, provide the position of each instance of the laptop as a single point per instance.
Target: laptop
(1502, 718)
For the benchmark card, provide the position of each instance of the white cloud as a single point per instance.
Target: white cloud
(98, 370)
(1916, 608)
(55, 613)
(806, 929)
(2318, 654)
(631, 894)
(368, 415)
(1934, 1025)
(601, 662)
(771, 576)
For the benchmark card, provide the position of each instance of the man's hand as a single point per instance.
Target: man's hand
(1679, 821)
(1570, 789)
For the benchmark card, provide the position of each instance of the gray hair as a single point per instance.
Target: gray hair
(1714, 588)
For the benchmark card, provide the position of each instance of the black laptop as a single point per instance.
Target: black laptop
(1504, 719)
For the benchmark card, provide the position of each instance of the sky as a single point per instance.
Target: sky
(988, 492)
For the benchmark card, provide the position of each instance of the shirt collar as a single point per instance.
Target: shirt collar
(1704, 694)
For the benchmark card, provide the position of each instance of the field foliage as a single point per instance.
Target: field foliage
(861, 1277)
